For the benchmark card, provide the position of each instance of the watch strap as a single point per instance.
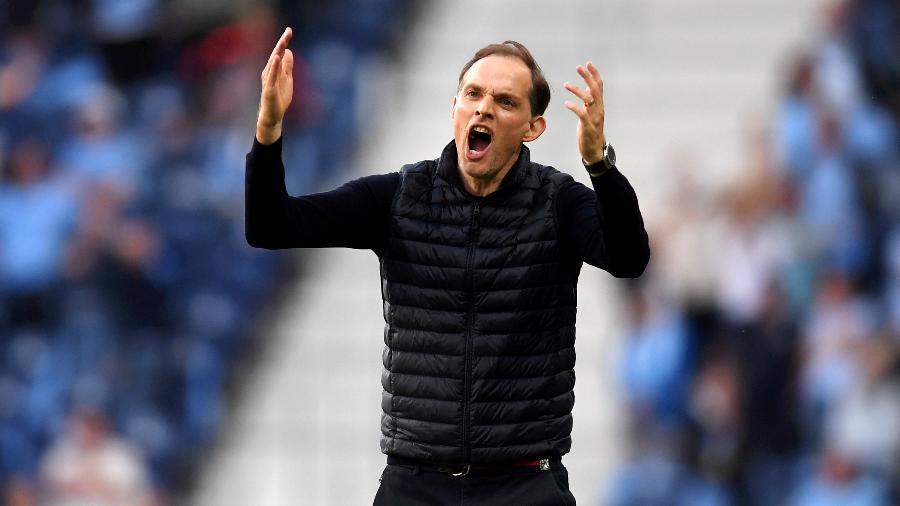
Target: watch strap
(597, 169)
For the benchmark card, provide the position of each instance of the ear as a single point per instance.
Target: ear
(536, 127)
(453, 107)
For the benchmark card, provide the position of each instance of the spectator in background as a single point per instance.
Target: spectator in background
(838, 482)
(101, 150)
(655, 364)
(865, 423)
(129, 35)
(37, 216)
(655, 474)
(89, 465)
(715, 410)
(795, 122)
(753, 245)
(22, 59)
(767, 353)
(836, 80)
(839, 318)
(123, 273)
(872, 24)
(829, 205)
(680, 269)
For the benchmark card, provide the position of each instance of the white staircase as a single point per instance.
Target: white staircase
(679, 76)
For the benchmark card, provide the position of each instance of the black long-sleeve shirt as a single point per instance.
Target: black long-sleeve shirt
(602, 227)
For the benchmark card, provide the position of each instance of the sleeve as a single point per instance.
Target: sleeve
(604, 227)
(355, 215)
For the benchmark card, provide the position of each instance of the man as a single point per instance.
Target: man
(480, 252)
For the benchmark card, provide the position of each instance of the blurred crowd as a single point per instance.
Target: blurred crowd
(127, 291)
(760, 365)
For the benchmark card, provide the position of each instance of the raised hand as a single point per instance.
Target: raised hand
(590, 112)
(277, 90)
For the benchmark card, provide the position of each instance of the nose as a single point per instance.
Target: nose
(485, 106)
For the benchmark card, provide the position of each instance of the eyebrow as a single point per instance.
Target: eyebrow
(502, 94)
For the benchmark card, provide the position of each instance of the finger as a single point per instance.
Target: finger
(579, 110)
(588, 79)
(266, 70)
(273, 71)
(288, 63)
(591, 85)
(285, 39)
(276, 51)
(584, 95)
(583, 72)
(595, 82)
(595, 73)
(282, 43)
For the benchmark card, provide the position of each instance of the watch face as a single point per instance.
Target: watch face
(610, 154)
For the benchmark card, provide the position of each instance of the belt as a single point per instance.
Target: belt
(464, 469)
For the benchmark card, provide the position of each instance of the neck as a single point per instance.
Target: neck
(484, 186)
(480, 188)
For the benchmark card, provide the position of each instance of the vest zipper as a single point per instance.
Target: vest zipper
(470, 321)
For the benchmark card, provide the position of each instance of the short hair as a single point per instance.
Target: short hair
(539, 94)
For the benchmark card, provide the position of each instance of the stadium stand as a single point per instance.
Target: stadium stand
(761, 363)
(128, 294)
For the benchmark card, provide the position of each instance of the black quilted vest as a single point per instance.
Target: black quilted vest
(479, 305)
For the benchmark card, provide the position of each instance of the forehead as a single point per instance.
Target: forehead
(499, 73)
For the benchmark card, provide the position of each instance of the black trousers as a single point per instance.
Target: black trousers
(403, 485)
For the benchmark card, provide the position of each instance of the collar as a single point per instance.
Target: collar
(448, 169)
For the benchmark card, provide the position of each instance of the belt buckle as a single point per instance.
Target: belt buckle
(465, 471)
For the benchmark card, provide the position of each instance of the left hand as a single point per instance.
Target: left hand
(590, 112)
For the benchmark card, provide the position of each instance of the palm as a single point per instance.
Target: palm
(277, 98)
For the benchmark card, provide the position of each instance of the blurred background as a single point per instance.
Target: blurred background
(149, 356)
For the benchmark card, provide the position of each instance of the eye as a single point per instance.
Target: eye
(471, 93)
(507, 102)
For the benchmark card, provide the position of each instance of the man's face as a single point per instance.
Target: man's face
(491, 118)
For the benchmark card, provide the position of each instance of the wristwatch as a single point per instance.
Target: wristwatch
(608, 162)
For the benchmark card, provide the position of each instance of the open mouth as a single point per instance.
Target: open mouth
(479, 141)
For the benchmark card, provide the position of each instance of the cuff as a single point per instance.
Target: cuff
(598, 169)
(264, 153)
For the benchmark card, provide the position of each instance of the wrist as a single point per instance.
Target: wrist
(598, 165)
(267, 134)
(597, 154)
(592, 160)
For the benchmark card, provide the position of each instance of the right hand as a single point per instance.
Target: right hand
(277, 90)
